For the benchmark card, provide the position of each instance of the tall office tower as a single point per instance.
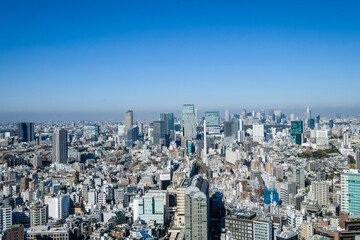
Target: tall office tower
(205, 140)
(160, 135)
(59, 147)
(141, 128)
(227, 115)
(299, 177)
(189, 121)
(228, 129)
(59, 206)
(258, 133)
(5, 218)
(241, 125)
(149, 208)
(26, 131)
(357, 159)
(311, 123)
(197, 209)
(133, 133)
(321, 192)
(262, 115)
(91, 132)
(128, 120)
(308, 113)
(272, 115)
(196, 115)
(168, 119)
(297, 129)
(243, 113)
(213, 122)
(331, 123)
(38, 215)
(262, 229)
(350, 194)
(346, 143)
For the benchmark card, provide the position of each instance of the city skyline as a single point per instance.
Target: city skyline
(141, 115)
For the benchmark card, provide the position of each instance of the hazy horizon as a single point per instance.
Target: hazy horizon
(141, 115)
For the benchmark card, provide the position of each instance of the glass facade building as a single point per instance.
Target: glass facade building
(350, 192)
(212, 119)
(189, 121)
(297, 129)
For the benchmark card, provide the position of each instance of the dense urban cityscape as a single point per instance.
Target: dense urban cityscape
(179, 120)
(248, 175)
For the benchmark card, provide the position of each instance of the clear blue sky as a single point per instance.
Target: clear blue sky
(157, 55)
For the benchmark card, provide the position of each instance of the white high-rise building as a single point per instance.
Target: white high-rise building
(321, 192)
(5, 218)
(59, 206)
(262, 229)
(258, 133)
(205, 141)
(357, 157)
(59, 147)
(129, 121)
(350, 194)
(227, 115)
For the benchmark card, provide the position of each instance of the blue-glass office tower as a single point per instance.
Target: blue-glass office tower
(189, 121)
(311, 123)
(212, 119)
(160, 136)
(350, 191)
(168, 119)
(26, 131)
(297, 129)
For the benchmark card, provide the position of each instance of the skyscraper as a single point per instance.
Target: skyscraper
(59, 147)
(128, 120)
(357, 156)
(197, 209)
(350, 194)
(189, 121)
(308, 113)
(168, 119)
(212, 119)
(160, 136)
(205, 142)
(26, 131)
(227, 115)
(212, 122)
(297, 130)
(321, 192)
(228, 128)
